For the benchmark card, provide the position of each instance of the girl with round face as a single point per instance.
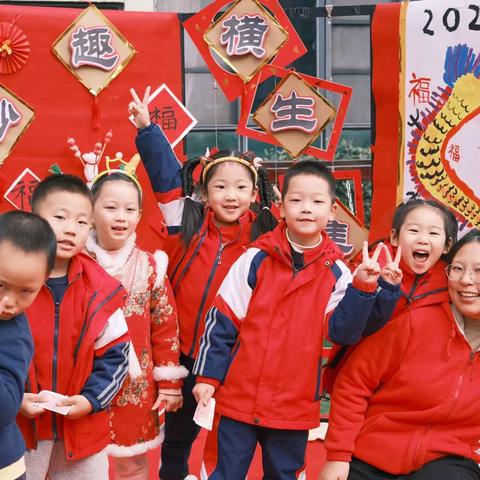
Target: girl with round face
(209, 223)
(155, 376)
(425, 231)
(229, 192)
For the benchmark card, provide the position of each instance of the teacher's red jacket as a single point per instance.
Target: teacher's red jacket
(408, 395)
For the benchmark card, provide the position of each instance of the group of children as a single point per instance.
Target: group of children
(237, 307)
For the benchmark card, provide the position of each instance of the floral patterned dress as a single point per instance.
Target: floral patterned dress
(151, 317)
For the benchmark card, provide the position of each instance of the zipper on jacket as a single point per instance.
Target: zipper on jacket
(472, 364)
(54, 364)
(216, 263)
(55, 349)
(415, 465)
(176, 283)
(414, 287)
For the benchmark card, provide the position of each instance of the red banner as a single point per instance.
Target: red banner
(385, 79)
(63, 106)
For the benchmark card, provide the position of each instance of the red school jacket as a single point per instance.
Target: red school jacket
(64, 354)
(196, 272)
(408, 395)
(415, 291)
(264, 334)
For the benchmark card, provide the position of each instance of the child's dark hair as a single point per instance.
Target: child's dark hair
(29, 233)
(59, 182)
(470, 237)
(310, 167)
(114, 177)
(193, 211)
(449, 221)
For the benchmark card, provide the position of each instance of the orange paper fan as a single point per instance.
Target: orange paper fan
(14, 48)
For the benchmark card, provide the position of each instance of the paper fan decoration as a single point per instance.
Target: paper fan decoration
(14, 48)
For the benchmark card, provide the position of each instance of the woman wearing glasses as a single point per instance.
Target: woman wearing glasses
(407, 404)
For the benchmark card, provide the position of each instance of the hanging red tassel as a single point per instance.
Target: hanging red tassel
(95, 113)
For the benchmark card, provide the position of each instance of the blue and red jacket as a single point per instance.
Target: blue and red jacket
(195, 271)
(16, 350)
(264, 334)
(81, 347)
(415, 291)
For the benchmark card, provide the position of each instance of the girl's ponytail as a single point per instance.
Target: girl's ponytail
(265, 220)
(193, 211)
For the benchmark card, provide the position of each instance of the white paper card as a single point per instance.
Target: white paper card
(49, 402)
(204, 415)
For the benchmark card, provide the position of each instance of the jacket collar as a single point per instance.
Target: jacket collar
(112, 262)
(230, 232)
(276, 244)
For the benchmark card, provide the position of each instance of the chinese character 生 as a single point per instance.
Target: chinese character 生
(293, 112)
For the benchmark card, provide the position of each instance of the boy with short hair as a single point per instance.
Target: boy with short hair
(81, 344)
(26, 240)
(261, 353)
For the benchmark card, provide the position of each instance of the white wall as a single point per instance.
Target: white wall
(139, 5)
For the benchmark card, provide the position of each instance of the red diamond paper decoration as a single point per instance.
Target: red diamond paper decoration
(168, 112)
(20, 192)
(93, 50)
(248, 99)
(231, 83)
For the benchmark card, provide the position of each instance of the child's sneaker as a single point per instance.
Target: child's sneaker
(190, 477)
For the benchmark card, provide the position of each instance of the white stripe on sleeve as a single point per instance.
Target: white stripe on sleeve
(172, 212)
(116, 327)
(235, 290)
(342, 283)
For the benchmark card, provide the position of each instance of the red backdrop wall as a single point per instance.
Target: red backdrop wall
(63, 106)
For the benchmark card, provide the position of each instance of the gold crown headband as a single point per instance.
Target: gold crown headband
(126, 168)
(216, 161)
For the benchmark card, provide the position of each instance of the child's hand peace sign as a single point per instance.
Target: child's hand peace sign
(391, 272)
(139, 108)
(369, 270)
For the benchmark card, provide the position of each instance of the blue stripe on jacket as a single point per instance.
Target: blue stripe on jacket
(254, 266)
(217, 342)
(108, 373)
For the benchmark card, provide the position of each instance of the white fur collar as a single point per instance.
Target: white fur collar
(113, 264)
(161, 263)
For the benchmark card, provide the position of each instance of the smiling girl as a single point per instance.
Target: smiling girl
(209, 224)
(405, 406)
(423, 231)
(155, 374)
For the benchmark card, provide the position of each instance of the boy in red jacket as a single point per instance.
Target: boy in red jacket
(81, 344)
(261, 353)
